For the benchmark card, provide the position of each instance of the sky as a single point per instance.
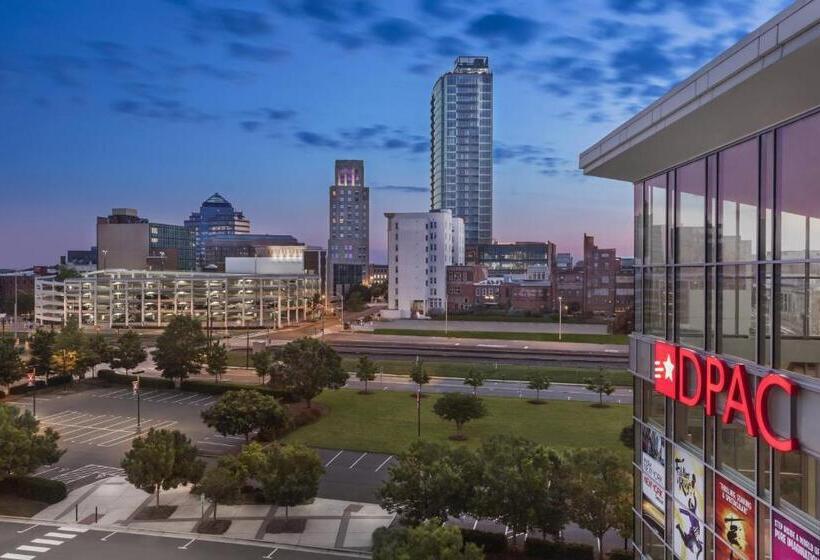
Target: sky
(157, 104)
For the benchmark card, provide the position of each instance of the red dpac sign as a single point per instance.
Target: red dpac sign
(683, 375)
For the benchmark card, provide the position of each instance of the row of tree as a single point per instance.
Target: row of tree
(528, 487)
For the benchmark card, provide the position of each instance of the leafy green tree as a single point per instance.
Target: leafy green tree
(600, 384)
(549, 480)
(221, 484)
(430, 540)
(11, 365)
(539, 382)
(162, 460)
(180, 348)
(418, 374)
(263, 363)
(243, 412)
(23, 446)
(128, 353)
(459, 408)
(429, 480)
(98, 351)
(475, 378)
(41, 349)
(65, 272)
(216, 360)
(290, 474)
(627, 436)
(70, 348)
(310, 366)
(64, 362)
(600, 484)
(365, 371)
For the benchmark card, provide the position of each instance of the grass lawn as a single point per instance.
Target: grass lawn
(237, 358)
(543, 337)
(504, 318)
(386, 422)
(20, 507)
(557, 374)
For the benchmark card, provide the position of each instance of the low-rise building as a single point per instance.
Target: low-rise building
(220, 247)
(461, 286)
(127, 241)
(377, 274)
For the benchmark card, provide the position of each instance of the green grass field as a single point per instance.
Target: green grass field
(510, 372)
(504, 318)
(541, 337)
(385, 422)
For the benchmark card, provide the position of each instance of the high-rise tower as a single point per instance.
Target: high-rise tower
(348, 252)
(461, 146)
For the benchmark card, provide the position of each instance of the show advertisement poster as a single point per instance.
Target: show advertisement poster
(734, 522)
(689, 506)
(790, 542)
(653, 465)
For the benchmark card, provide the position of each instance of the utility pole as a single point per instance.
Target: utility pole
(560, 310)
(247, 348)
(418, 412)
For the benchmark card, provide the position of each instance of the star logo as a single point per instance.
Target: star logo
(666, 359)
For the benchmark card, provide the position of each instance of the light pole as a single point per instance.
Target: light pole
(136, 389)
(560, 309)
(32, 382)
(104, 254)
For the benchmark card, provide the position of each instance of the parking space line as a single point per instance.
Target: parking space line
(56, 535)
(173, 395)
(208, 398)
(29, 548)
(356, 462)
(61, 415)
(108, 536)
(28, 528)
(185, 399)
(74, 529)
(50, 542)
(113, 394)
(204, 442)
(122, 439)
(12, 556)
(333, 459)
(383, 464)
(186, 545)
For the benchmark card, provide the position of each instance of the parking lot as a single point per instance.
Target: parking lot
(353, 475)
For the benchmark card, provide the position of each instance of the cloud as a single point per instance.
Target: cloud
(501, 27)
(250, 126)
(449, 45)
(542, 158)
(63, 70)
(326, 11)
(170, 110)
(395, 31)
(643, 60)
(374, 137)
(256, 119)
(441, 9)
(254, 53)
(316, 139)
(402, 188)
(210, 71)
(114, 56)
(233, 21)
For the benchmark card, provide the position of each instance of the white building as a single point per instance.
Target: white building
(420, 246)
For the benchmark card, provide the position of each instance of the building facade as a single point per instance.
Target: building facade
(219, 247)
(216, 216)
(420, 247)
(600, 268)
(377, 274)
(141, 298)
(348, 244)
(461, 146)
(461, 286)
(127, 241)
(514, 258)
(726, 353)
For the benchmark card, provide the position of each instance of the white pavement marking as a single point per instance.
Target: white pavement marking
(333, 459)
(204, 442)
(28, 529)
(56, 535)
(12, 556)
(186, 545)
(272, 552)
(50, 542)
(108, 536)
(29, 548)
(184, 399)
(383, 464)
(74, 529)
(356, 462)
(164, 398)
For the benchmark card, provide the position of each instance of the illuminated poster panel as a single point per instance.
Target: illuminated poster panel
(791, 542)
(653, 464)
(689, 506)
(734, 522)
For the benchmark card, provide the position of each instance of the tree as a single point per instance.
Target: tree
(599, 486)
(624, 322)
(128, 353)
(66, 272)
(539, 382)
(180, 348)
(98, 351)
(600, 384)
(429, 480)
(290, 474)
(243, 412)
(418, 374)
(627, 436)
(11, 365)
(64, 362)
(429, 540)
(23, 446)
(70, 349)
(550, 492)
(459, 408)
(41, 349)
(475, 378)
(221, 484)
(365, 371)
(310, 366)
(263, 363)
(162, 460)
(216, 360)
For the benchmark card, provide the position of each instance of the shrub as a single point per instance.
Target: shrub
(558, 551)
(490, 542)
(145, 382)
(212, 388)
(34, 488)
(619, 554)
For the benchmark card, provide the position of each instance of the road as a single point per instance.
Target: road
(493, 326)
(27, 541)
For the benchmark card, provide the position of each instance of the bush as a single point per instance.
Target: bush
(34, 488)
(558, 551)
(619, 554)
(490, 542)
(213, 388)
(145, 382)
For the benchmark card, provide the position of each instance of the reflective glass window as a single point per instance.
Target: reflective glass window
(690, 299)
(738, 193)
(655, 240)
(690, 187)
(799, 307)
(797, 479)
(738, 311)
(654, 304)
(736, 451)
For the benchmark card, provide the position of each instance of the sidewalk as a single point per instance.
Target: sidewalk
(115, 502)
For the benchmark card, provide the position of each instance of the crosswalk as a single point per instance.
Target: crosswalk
(101, 430)
(71, 476)
(166, 396)
(44, 543)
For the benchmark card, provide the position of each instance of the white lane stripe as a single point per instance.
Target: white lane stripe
(28, 529)
(173, 395)
(55, 535)
(108, 536)
(201, 399)
(51, 542)
(203, 442)
(12, 556)
(356, 462)
(74, 529)
(383, 464)
(185, 399)
(29, 548)
(122, 439)
(334, 458)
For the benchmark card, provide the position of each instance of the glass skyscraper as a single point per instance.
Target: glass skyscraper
(216, 216)
(461, 146)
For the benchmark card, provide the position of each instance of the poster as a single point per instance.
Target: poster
(654, 475)
(689, 506)
(791, 542)
(734, 522)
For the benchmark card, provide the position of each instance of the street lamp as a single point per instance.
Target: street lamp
(104, 254)
(560, 309)
(135, 387)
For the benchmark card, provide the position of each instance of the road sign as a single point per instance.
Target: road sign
(30, 376)
(135, 386)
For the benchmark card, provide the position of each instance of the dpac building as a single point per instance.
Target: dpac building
(726, 353)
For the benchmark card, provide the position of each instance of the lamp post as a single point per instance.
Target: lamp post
(104, 254)
(136, 390)
(32, 382)
(560, 309)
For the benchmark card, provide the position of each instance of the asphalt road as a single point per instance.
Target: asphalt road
(71, 542)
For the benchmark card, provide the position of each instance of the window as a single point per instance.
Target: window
(655, 301)
(738, 311)
(691, 212)
(690, 299)
(738, 188)
(655, 240)
(736, 451)
(654, 406)
(798, 479)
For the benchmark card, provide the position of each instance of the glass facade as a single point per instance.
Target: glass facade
(728, 256)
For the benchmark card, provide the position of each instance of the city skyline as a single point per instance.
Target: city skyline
(157, 107)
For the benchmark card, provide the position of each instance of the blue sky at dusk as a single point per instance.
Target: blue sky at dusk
(158, 104)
